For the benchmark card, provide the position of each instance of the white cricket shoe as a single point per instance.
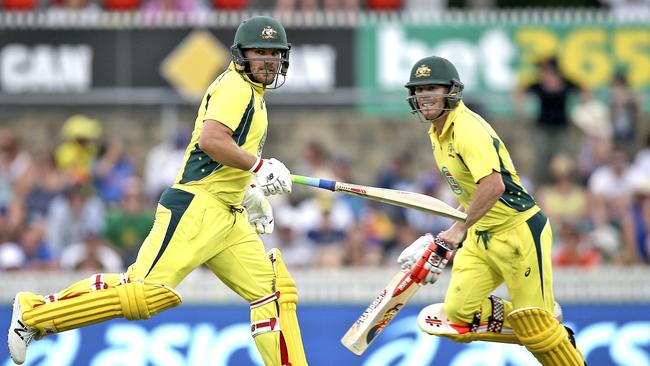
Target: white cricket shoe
(19, 334)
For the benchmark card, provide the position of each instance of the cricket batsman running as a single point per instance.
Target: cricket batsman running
(505, 238)
(211, 215)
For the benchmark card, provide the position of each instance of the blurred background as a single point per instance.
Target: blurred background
(98, 98)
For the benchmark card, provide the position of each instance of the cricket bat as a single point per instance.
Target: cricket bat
(391, 196)
(381, 311)
(389, 302)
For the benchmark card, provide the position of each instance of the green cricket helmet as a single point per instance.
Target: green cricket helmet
(260, 32)
(434, 70)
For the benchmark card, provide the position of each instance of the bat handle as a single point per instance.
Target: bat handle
(314, 182)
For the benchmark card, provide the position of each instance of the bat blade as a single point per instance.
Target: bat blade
(380, 313)
(390, 196)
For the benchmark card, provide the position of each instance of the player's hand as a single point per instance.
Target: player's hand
(455, 235)
(259, 210)
(272, 176)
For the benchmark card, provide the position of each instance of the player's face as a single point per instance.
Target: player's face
(431, 100)
(263, 63)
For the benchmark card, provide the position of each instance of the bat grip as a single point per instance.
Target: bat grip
(314, 182)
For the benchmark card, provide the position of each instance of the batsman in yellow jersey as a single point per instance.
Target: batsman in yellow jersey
(211, 215)
(506, 237)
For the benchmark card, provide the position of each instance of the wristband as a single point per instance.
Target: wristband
(256, 167)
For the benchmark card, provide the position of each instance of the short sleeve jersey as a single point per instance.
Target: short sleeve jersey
(467, 150)
(238, 103)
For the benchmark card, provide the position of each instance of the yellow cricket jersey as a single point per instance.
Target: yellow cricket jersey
(234, 100)
(467, 150)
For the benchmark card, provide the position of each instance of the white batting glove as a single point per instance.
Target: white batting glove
(272, 176)
(413, 252)
(430, 256)
(259, 210)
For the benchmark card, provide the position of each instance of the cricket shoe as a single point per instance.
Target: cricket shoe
(19, 334)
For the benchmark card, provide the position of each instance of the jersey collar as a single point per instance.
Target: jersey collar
(257, 86)
(450, 119)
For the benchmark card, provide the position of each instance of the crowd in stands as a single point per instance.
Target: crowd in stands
(85, 205)
(193, 6)
(621, 9)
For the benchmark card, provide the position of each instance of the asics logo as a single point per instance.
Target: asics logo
(21, 332)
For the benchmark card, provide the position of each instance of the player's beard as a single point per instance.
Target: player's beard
(265, 75)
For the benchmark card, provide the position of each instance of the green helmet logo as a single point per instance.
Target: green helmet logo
(434, 70)
(269, 33)
(260, 32)
(422, 71)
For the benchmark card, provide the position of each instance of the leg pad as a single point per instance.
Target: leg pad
(544, 337)
(132, 300)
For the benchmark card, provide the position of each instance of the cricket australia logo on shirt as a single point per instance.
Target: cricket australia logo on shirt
(453, 184)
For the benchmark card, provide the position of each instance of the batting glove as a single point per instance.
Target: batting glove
(259, 210)
(426, 258)
(410, 256)
(272, 176)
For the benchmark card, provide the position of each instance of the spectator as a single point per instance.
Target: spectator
(636, 225)
(182, 6)
(553, 91)
(564, 200)
(328, 242)
(574, 250)
(430, 184)
(12, 257)
(14, 163)
(38, 255)
(360, 252)
(316, 161)
(40, 185)
(60, 7)
(163, 162)
(112, 171)
(378, 227)
(129, 224)
(592, 117)
(626, 112)
(296, 250)
(629, 9)
(343, 173)
(70, 213)
(76, 155)
(287, 6)
(397, 175)
(610, 192)
(91, 254)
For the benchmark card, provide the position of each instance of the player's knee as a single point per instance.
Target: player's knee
(140, 300)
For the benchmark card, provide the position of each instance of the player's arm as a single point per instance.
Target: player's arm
(216, 141)
(490, 188)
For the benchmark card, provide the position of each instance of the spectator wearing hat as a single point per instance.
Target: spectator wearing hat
(595, 143)
(75, 156)
(563, 200)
